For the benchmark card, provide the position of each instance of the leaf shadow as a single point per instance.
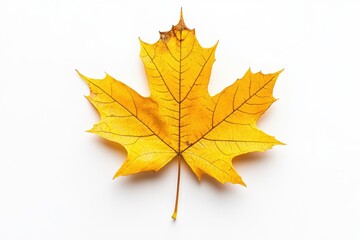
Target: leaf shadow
(112, 146)
(148, 176)
(216, 185)
(266, 114)
(248, 158)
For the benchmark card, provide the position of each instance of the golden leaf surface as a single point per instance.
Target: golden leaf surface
(180, 119)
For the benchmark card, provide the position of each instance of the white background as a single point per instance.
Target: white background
(56, 179)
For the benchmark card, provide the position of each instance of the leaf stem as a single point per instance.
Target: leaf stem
(177, 189)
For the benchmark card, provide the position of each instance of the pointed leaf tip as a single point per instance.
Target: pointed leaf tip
(181, 24)
(181, 15)
(78, 72)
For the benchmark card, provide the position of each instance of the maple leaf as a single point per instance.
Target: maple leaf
(180, 120)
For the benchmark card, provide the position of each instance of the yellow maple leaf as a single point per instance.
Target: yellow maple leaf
(180, 120)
